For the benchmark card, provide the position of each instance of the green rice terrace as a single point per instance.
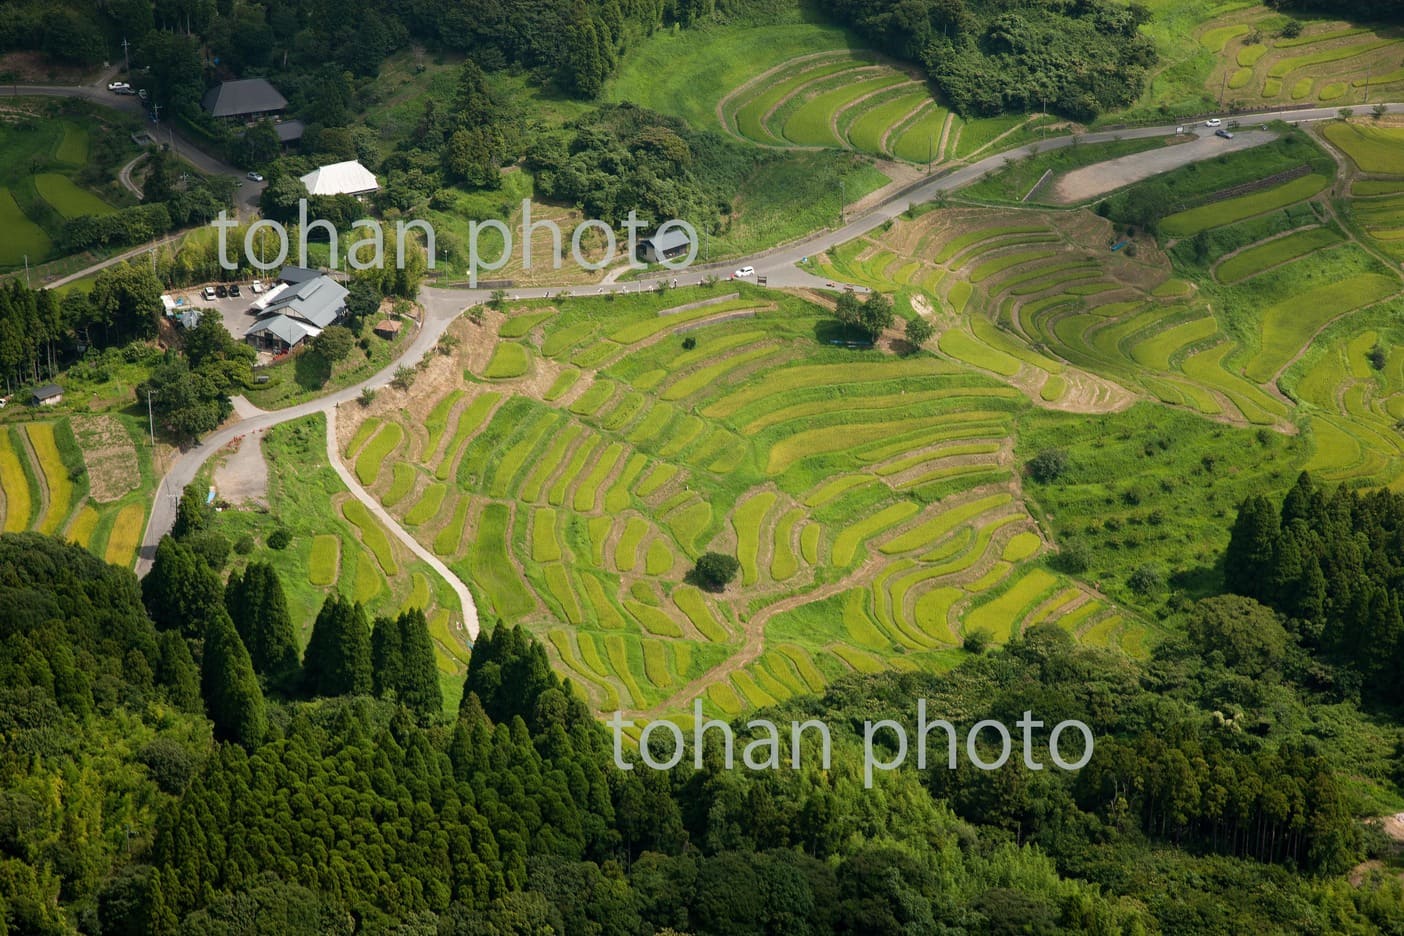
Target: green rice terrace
(1260, 63)
(803, 86)
(335, 543)
(574, 459)
(80, 477)
(871, 499)
(42, 162)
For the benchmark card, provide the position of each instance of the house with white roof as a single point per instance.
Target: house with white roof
(343, 178)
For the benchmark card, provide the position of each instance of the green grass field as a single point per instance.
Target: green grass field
(68, 199)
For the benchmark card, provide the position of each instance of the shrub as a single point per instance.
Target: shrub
(977, 641)
(244, 545)
(919, 330)
(689, 343)
(211, 546)
(1145, 580)
(1378, 357)
(279, 538)
(1073, 559)
(404, 377)
(1291, 29)
(367, 396)
(714, 571)
(1049, 465)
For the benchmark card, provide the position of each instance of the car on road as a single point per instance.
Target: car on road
(118, 86)
(255, 177)
(234, 290)
(1212, 122)
(221, 291)
(1223, 133)
(744, 271)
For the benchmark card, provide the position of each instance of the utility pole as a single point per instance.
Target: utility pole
(150, 420)
(930, 152)
(842, 211)
(126, 61)
(1222, 85)
(26, 271)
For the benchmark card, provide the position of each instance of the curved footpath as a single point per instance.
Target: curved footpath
(470, 610)
(443, 305)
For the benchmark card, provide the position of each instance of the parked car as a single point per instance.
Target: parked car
(1223, 133)
(118, 86)
(234, 290)
(221, 291)
(142, 94)
(255, 177)
(1212, 122)
(744, 271)
(256, 287)
(208, 292)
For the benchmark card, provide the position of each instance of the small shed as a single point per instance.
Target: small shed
(388, 328)
(664, 245)
(47, 395)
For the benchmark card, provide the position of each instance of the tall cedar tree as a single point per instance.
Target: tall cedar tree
(402, 657)
(259, 608)
(180, 590)
(232, 693)
(338, 656)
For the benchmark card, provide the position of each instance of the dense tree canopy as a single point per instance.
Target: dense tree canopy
(1078, 58)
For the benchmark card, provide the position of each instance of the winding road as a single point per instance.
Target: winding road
(443, 305)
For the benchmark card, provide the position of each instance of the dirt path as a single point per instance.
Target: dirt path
(470, 610)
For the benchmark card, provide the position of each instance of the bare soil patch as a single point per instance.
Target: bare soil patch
(109, 455)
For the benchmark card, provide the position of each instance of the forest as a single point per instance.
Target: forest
(1077, 59)
(246, 789)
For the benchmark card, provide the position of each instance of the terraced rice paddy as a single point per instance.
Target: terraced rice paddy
(839, 99)
(46, 484)
(825, 472)
(1330, 62)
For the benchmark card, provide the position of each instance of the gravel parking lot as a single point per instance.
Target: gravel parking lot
(1100, 178)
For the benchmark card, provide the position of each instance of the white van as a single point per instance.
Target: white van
(209, 293)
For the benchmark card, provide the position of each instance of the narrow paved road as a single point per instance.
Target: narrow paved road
(439, 312)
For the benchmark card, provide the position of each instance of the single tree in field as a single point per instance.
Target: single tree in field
(232, 694)
(259, 608)
(919, 330)
(848, 309)
(876, 315)
(714, 571)
(338, 656)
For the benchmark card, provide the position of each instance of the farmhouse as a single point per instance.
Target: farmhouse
(343, 178)
(47, 395)
(664, 245)
(296, 312)
(241, 100)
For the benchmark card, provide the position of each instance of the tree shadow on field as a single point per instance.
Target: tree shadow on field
(834, 332)
(311, 371)
(1199, 581)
